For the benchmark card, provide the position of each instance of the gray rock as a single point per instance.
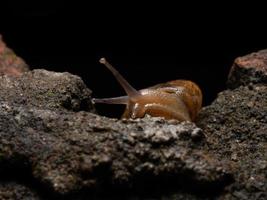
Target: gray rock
(71, 151)
(235, 126)
(47, 90)
(47, 135)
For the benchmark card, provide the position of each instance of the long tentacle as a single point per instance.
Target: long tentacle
(132, 92)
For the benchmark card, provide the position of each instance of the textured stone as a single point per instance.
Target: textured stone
(45, 89)
(71, 151)
(249, 69)
(235, 126)
(53, 149)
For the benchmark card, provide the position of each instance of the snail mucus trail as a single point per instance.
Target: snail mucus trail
(177, 99)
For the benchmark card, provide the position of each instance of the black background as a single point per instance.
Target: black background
(148, 43)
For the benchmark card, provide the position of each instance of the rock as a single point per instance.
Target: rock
(249, 69)
(47, 90)
(235, 126)
(14, 191)
(64, 152)
(10, 63)
(71, 151)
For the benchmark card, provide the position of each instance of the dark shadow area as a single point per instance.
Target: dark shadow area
(18, 171)
(144, 186)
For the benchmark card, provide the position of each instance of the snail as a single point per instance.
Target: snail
(177, 99)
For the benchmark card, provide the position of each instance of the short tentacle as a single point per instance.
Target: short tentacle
(115, 100)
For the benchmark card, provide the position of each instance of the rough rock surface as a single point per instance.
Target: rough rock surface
(14, 191)
(45, 89)
(10, 64)
(70, 151)
(235, 126)
(251, 68)
(51, 148)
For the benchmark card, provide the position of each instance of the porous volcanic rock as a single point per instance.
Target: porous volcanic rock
(71, 151)
(46, 89)
(235, 125)
(249, 69)
(53, 148)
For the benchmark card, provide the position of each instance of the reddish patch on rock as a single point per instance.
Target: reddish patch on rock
(251, 68)
(256, 60)
(10, 63)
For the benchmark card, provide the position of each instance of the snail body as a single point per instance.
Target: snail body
(178, 99)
